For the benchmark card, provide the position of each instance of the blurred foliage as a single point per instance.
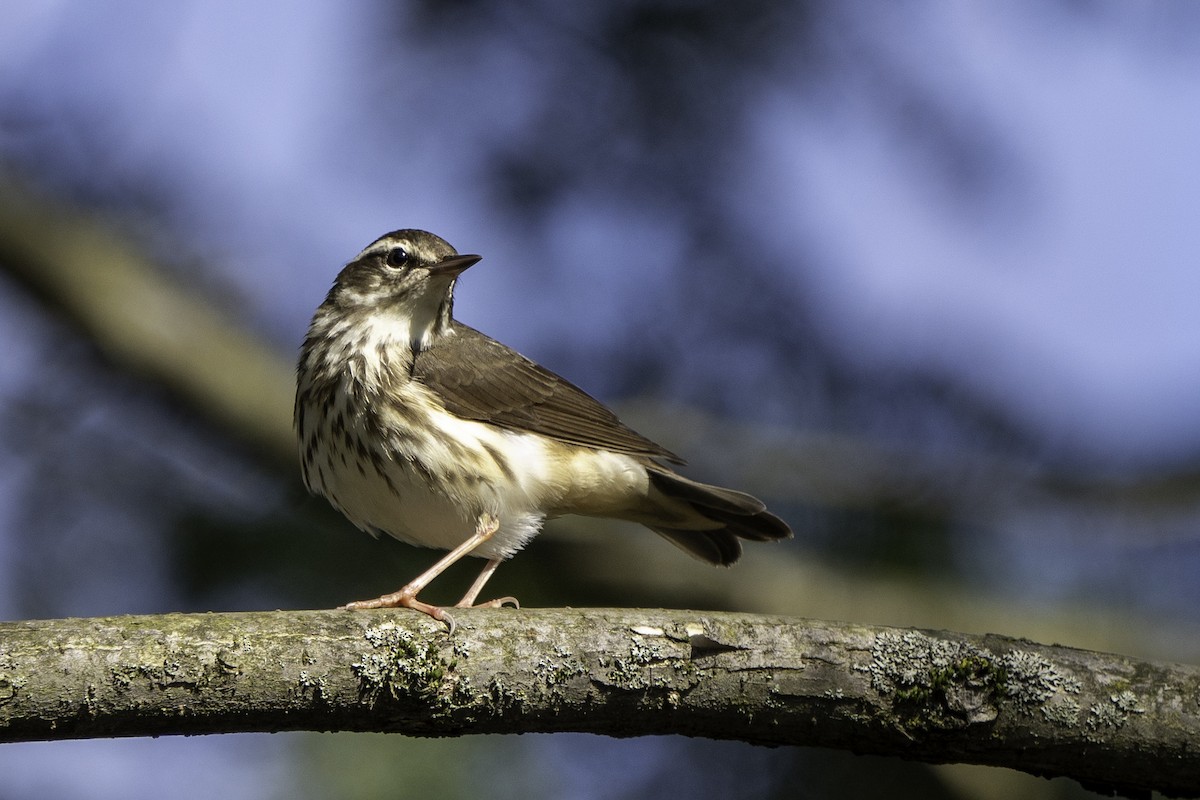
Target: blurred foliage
(582, 766)
(643, 109)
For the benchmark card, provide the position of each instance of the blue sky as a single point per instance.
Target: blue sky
(1071, 294)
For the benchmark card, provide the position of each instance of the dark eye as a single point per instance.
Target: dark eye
(396, 257)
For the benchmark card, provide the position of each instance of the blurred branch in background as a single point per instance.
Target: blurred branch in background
(147, 323)
(1110, 722)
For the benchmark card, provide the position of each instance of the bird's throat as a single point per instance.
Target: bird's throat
(408, 328)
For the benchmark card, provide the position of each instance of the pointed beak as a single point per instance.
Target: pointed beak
(454, 265)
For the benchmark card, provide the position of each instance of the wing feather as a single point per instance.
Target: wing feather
(478, 378)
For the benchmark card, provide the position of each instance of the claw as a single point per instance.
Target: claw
(401, 600)
(499, 602)
(407, 596)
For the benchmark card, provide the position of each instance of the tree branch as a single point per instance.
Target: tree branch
(1105, 720)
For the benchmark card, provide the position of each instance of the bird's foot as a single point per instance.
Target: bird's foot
(499, 602)
(403, 599)
(407, 596)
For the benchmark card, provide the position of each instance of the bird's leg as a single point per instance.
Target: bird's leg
(406, 597)
(468, 600)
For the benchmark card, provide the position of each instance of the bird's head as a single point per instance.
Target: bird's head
(405, 276)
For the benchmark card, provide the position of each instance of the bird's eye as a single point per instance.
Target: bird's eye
(396, 257)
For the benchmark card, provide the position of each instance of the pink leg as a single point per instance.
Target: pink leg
(406, 597)
(468, 600)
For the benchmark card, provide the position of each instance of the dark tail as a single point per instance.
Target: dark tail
(740, 516)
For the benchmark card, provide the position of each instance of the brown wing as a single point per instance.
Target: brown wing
(478, 378)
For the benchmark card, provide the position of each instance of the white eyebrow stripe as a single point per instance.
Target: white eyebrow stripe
(380, 246)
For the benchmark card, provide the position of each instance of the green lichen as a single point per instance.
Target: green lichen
(1127, 702)
(9, 686)
(558, 669)
(122, 677)
(1112, 714)
(504, 698)
(1033, 682)
(312, 686)
(1030, 679)
(1062, 711)
(948, 683)
(636, 671)
(401, 666)
(659, 666)
(937, 683)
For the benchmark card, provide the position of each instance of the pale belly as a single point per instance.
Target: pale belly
(409, 510)
(518, 478)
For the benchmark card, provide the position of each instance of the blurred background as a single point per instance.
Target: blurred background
(922, 275)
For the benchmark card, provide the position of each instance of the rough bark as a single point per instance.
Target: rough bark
(1108, 721)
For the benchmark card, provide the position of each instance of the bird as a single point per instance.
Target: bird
(417, 426)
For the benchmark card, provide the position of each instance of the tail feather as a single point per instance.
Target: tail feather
(704, 495)
(716, 547)
(740, 516)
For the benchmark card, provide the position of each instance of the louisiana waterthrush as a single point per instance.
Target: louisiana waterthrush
(415, 425)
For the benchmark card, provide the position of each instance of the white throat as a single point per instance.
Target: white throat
(408, 328)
